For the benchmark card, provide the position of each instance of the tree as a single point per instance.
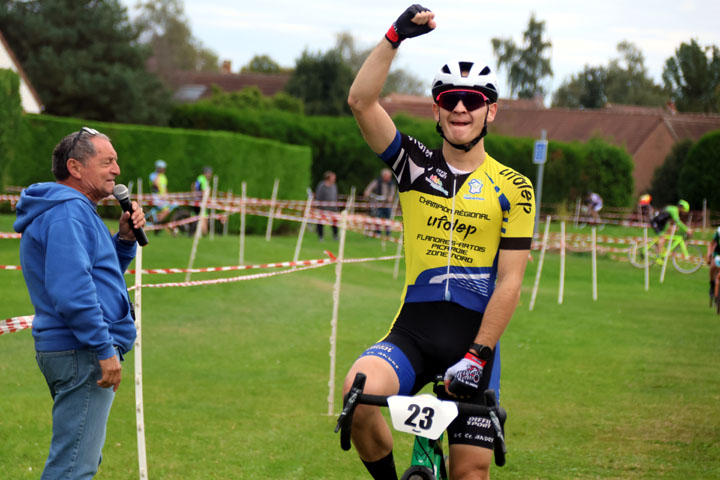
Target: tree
(664, 187)
(322, 81)
(584, 90)
(623, 81)
(697, 180)
(527, 64)
(83, 59)
(163, 26)
(262, 64)
(692, 77)
(628, 82)
(252, 98)
(398, 80)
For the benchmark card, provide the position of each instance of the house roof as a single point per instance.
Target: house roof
(192, 86)
(28, 96)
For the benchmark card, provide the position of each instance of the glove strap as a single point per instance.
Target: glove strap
(473, 358)
(393, 37)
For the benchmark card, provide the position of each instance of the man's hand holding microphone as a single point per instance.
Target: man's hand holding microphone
(132, 220)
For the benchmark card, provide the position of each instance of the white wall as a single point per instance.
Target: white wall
(29, 104)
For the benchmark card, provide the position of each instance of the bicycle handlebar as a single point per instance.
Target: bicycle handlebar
(355, 397)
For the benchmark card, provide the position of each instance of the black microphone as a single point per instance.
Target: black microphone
(123, 197)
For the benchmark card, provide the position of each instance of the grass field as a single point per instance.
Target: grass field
(236, 375)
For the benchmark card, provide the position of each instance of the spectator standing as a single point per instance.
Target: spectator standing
(326, 191)
(83, 322)
(382, 190)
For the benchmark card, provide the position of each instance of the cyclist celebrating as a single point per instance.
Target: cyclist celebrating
(468, 224)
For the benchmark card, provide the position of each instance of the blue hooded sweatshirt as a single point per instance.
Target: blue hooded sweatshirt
(74, 269)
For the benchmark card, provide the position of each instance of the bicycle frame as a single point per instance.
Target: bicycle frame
(674, 240)
(677, 240)
(429, 454)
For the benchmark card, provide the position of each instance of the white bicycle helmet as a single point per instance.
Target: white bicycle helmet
(472, 75)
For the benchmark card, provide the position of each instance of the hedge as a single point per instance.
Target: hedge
(235, 158)
(336, 143)
(10, 119)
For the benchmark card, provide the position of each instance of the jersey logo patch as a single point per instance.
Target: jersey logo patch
(436, 183)
(476, 187)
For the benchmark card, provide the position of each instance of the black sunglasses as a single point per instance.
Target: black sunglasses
(89, 131)
(472, 100)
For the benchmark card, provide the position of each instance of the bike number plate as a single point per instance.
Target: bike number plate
(422, 415)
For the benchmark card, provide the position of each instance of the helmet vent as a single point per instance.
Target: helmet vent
(446, 69)
(465, 68)
(485, 71)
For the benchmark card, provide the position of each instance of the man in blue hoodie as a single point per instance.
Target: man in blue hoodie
(74, 269)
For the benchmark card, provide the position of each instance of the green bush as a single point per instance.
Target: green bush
(665, 188)
(698, 179)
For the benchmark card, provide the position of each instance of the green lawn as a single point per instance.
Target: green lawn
(236, 375)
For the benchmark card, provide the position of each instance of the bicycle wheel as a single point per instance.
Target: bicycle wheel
(690, 263)
(636, 255)
(418, 472)
(182, 214)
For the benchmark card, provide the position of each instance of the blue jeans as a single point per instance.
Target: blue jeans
(80, 412)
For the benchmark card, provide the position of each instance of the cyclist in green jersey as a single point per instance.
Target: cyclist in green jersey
(661, 221)
(468, 223)
(201, 185)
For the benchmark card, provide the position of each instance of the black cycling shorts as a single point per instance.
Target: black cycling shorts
(432, 336)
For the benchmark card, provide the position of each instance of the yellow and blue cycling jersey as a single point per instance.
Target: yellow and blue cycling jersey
(456, 222)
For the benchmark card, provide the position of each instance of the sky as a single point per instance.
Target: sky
(582, 33)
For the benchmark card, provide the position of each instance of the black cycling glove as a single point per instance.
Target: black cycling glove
(405, 28)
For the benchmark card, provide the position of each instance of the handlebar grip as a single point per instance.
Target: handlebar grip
(350, 402)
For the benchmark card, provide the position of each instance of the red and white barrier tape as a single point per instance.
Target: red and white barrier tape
(301, 263)
(16, 324)
(218, 281)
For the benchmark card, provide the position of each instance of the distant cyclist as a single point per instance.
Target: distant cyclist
(671, 213)
(200, 186)
(159, 189)
(594, 204)
(661, 219)
(646, 208)
(713, 259)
